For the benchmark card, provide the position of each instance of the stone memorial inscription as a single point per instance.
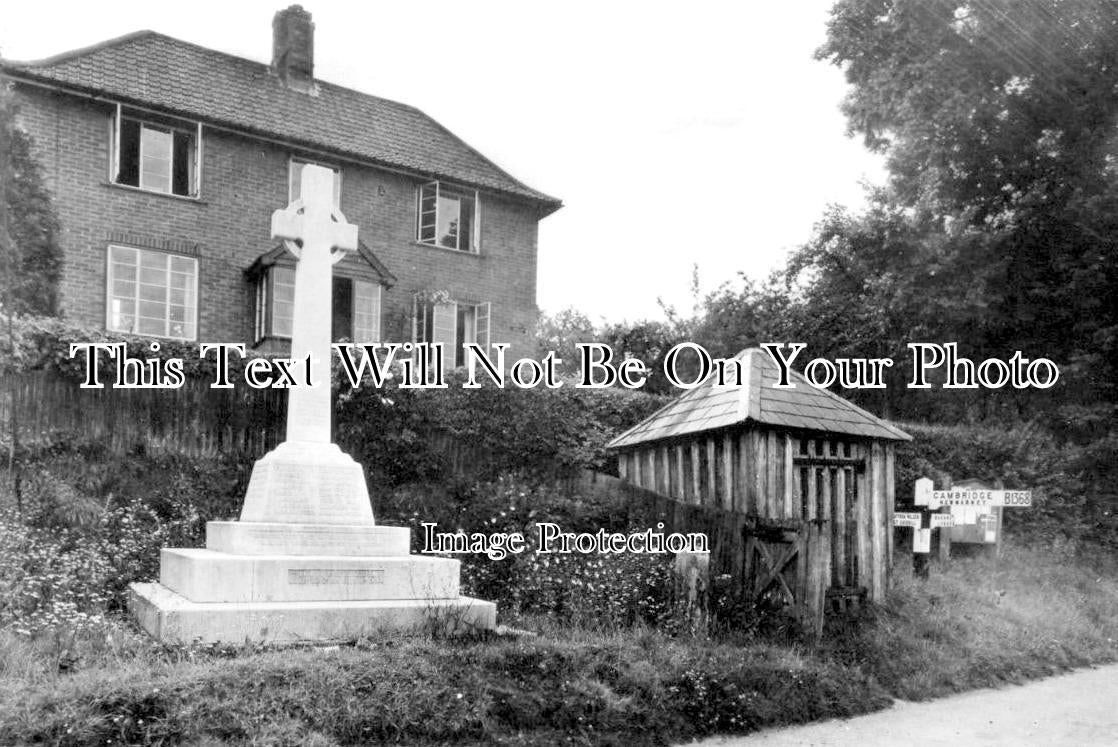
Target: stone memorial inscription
(324, 576)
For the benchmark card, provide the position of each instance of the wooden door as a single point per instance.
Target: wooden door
(830, 478)
(774, 565)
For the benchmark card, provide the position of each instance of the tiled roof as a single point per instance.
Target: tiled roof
(710, 406)
(156, 71)
(351, 259)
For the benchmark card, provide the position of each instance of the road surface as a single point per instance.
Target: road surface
(1080, 708)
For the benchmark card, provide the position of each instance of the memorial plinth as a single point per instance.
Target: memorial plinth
(306, 561)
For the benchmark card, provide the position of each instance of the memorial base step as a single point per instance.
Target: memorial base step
(209, 576)
(172, 618)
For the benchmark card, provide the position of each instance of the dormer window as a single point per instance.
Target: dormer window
(156, 156)
(448, 216)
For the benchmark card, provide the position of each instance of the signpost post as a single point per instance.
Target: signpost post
(922, 522)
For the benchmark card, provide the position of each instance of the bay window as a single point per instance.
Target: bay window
(356, 310)
(275, 302)
(355, 303)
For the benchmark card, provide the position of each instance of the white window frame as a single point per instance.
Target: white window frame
(195, 177)
(109, 294)
(483, 312)
(377, 295)
(265, 302)
(307, 162)
(437, 188)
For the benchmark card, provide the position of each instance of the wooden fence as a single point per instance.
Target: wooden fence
(193, 419)
(644, 508)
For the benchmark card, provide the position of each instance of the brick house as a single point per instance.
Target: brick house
(166, 160)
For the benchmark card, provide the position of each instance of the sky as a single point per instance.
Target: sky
(703, 138)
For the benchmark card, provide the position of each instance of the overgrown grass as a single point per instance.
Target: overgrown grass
(572, 685)
(973, 623)
(980, 622)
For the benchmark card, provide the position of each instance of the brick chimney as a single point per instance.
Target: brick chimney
(293, 48)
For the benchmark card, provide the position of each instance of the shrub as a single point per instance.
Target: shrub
(71, 483)
(49, 501)
(52, 577)
(49, 578)
(43, 344)
(131, 536)
(89, 528)
(612, 590)
(405, 435)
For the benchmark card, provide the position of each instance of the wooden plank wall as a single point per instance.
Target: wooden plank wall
(843, 483)
(718, 470)
(644, 508)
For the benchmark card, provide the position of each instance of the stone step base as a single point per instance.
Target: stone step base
(273, 538)
(209, 576)
(171, 618)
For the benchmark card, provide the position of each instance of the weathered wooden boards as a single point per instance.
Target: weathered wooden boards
(831, 498)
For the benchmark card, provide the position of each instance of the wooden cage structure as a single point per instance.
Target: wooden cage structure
(804, 477)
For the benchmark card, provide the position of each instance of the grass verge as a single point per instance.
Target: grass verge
(974, 623)
(580, 687)
(980, 622)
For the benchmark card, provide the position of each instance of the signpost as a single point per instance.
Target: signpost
(907, 519)
(939, 521)
(977, 497)
(970, 505)
(922, 524)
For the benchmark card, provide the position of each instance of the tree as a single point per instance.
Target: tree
(648, 341)
(732, 319)
(30, 256)
(999, 120)
(561, 332)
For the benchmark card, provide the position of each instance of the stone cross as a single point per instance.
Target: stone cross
(318, 235)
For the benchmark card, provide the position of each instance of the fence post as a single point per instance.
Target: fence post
(691, 591)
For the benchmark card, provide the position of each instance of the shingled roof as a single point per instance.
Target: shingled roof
(156, 71)
(710, 406)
